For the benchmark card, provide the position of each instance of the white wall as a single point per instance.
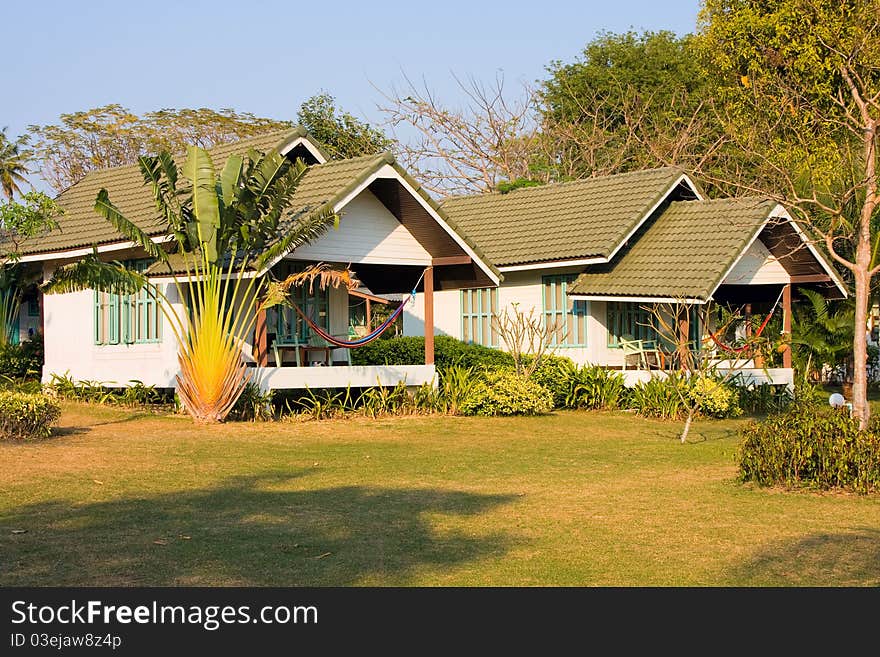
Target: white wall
(523, 288)
(70, 345)
(757, 267)
(368, 233)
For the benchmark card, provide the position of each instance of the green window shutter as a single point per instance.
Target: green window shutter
(567, 316)
(478, 307)
(113, 319)
(99, 319)
(631, 319)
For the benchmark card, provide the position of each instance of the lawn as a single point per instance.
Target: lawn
(575, 498)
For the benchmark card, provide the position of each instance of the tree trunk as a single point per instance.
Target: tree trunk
(860, 407)
(687, 426)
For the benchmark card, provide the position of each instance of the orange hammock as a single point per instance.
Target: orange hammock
(739, 350)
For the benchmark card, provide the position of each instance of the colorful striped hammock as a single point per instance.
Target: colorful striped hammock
(360, 342)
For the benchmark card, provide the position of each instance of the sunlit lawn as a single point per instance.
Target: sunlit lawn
(575, 498)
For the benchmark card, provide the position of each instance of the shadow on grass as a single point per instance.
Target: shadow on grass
(73, 430)
(246, 531)
(844, 559)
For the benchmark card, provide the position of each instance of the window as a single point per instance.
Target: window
(127, 318)
(567, 316)
(290, 327)
(33, 307)
(635, 320)
(477, 308)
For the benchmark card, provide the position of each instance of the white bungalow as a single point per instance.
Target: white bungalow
(593, 256)
(391, 234)
(588, 256)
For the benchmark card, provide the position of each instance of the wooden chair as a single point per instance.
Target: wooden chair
(636, 350)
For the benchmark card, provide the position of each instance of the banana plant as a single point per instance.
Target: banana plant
(822, 333)
(221, 232)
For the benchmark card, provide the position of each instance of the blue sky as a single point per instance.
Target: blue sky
(267, 57)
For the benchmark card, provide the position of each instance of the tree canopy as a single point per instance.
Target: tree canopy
(339, 131)
(13, 164)
(112, 135)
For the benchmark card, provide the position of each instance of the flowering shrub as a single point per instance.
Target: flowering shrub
(507, 393)
(714, 399)
(25, 416)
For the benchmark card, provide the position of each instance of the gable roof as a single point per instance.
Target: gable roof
(325, 184)
(581, 219)
(684, 254)
(80, 226)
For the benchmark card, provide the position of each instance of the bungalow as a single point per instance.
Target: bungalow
(592, 257)
(588, 256)
(392, 234)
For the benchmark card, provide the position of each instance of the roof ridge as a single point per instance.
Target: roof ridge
(756, 198)
(562, 183)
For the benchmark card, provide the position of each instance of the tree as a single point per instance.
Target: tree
(34, 217)
(13, 164)
(799, 93)
(112, 136)
(631, 101)
(223, 226)
(469, 150)
(341, 133)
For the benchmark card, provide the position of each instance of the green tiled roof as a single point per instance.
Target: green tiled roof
(81, 227)
(684, 254)
(580, 219)
(322, 184)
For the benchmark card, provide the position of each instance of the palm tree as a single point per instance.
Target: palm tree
(222, 228)
(822, 334)
(12, 165)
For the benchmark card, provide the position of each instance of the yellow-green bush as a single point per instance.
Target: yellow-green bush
(507, 393)
(26, 416)
(714, 398)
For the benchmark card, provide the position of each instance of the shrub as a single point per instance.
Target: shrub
(814, 446)
(555, 374)
(20, 361)
(594, 387)
(447, 352)
(659, 397)
(253, 405)
(713, 398)
(25, 416)
(456, 386)
(506, 393)
(764, 398)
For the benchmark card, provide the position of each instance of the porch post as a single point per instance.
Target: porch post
(786, 324)
(369, 317)
(429, 316)
(261, 340)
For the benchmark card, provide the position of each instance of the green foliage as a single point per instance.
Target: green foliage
(22, 361)
(764, 398)
(341, 133)
(659, 398)
(713, 398)
(33, 217)
(135, 394)
(812, 446)
(506, 186)
(594, 387)
(457, 384)
(630, 101)
(671, 397)
(506, 393)
(822, 333)
(25, 416)
(111, 136)
(13, 164)
(378, 401)
(447, 352)
(253, 405)
(555, 374)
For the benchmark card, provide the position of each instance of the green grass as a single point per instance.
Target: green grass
(120, 497)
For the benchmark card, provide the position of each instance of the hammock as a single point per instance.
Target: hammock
(360, 342)
(739, 350)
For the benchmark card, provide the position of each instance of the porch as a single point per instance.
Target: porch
(777, 376)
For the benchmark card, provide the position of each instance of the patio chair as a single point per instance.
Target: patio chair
(635, 351)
